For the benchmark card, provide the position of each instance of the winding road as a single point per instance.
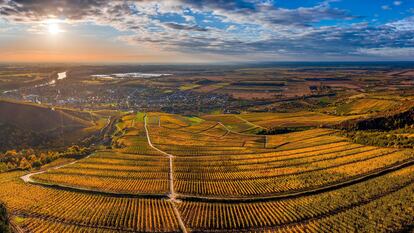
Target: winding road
(28, 177)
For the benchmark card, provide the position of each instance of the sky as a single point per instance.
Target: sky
(196, 31)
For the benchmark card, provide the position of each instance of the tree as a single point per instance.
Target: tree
(24, 164)
(3, 167)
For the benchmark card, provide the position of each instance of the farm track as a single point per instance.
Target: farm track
(203, 130)
(225, 134)
(197, 132)
(250, 123)
(241, 134)
(27, 178)
(209, 128)
(195, 140)
(172, 195)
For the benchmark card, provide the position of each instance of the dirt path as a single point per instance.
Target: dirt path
(28, 177)
(250, 123)
(242, 134)
(172, 195)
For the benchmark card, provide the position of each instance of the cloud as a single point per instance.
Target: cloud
(231, 28)
(224, 5)
(268, 14)
(397, 3)
(388, 52)
(30, 10)
(385, 7)
(406, 24)
(189, 18)
(224, 27)
(186, 27)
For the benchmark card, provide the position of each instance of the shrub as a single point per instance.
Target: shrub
(4, 219)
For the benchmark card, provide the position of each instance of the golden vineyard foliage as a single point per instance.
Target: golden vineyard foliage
(204, 176)
(87, 210)
(309, 213)
(120, 173)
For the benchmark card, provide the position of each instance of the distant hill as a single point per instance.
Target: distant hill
(27, 125)
(37, 118)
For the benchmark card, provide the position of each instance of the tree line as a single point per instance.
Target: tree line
(30, 158)
(386, 122)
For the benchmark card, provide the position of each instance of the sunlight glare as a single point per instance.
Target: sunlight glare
(53, 27)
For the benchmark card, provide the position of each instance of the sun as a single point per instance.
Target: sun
(53, 27)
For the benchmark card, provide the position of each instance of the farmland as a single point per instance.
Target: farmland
(163, 174)
(347, 91)
(214, 116)
(100, 212)
(249, 121)
(110, 149)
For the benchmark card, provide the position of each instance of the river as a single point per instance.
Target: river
(60, 76)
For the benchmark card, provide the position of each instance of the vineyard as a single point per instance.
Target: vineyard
(366, 105)
(267, 120)
(172, 173)
(57, 209)
(113, 172)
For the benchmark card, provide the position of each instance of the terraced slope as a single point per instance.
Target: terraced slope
(168, 173)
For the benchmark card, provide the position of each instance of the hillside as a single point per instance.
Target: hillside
(37, 118)
(173, 173)
(388, 121)
(26, 125)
